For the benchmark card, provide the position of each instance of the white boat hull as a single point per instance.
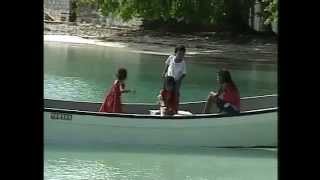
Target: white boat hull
(237, 131)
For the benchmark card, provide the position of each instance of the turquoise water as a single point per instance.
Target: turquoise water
(85, 73)
(144, 163)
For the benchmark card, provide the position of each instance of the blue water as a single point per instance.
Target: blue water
(165, 163)
(86, 73)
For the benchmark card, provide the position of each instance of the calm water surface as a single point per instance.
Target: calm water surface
(85, 73)
(159, 163)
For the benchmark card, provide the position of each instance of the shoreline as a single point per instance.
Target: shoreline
(202, 45)
(96, 42)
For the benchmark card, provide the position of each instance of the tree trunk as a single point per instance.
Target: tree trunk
(73, 11)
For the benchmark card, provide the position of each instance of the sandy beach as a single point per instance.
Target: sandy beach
(163, 43)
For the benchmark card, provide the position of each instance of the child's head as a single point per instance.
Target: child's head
(180, 51)
(224, 76)
(121, 74)
(169, 83)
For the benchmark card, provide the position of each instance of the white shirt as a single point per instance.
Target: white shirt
(175, 70)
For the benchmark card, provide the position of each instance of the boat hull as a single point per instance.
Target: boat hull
(235, 131)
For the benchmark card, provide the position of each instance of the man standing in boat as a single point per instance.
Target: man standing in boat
(175, 67)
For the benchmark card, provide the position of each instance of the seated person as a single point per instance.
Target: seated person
(227, 98)
(168, 97)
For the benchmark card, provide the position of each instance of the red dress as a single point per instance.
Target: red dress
(231, 95)
(170, 100)
(112, 102)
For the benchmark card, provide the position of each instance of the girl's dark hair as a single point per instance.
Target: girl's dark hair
(121, 74)
(180, 48)
(225, 76)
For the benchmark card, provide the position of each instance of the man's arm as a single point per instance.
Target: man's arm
(165, 70)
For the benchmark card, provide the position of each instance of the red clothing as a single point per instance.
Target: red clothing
(230, 94)
(112, 102)
(170, 100)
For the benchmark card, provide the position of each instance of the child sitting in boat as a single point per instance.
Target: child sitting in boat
(112, 102)
(227, 98)
(168, 97)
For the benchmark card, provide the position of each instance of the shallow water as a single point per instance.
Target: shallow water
(166, 163)
(86, 72)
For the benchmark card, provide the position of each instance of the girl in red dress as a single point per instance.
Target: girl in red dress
(112, 102)
(168, 97)
(227, 98)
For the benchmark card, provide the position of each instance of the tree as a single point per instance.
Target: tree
(73, 11)
(270, 11)
(232, 14)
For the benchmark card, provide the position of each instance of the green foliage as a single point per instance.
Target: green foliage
(270, 11)
(187, 12)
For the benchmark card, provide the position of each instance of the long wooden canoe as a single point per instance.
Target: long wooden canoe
(70, 122)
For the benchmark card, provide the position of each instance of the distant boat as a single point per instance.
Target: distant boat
(70, 122)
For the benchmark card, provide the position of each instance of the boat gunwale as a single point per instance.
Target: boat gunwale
(182, 103)
(146, 116)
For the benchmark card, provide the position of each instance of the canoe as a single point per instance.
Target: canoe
(70, 122)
